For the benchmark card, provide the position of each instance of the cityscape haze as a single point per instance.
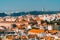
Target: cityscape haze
(29, 5)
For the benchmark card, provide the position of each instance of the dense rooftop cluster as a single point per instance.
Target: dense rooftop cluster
(30, 27)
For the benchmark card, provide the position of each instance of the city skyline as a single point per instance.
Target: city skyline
(29, 5)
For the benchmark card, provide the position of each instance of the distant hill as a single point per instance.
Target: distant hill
(31, 12)
(18, 14)
(34, 13)
(3, 14)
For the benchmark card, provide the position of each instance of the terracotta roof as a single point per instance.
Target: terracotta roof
(36, 31)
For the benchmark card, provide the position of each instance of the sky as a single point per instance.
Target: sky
(29, 5)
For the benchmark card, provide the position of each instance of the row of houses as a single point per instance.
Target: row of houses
(48, 17)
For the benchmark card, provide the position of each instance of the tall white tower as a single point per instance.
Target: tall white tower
(43, 9)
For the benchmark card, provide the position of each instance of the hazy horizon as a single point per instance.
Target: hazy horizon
(29, 5)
